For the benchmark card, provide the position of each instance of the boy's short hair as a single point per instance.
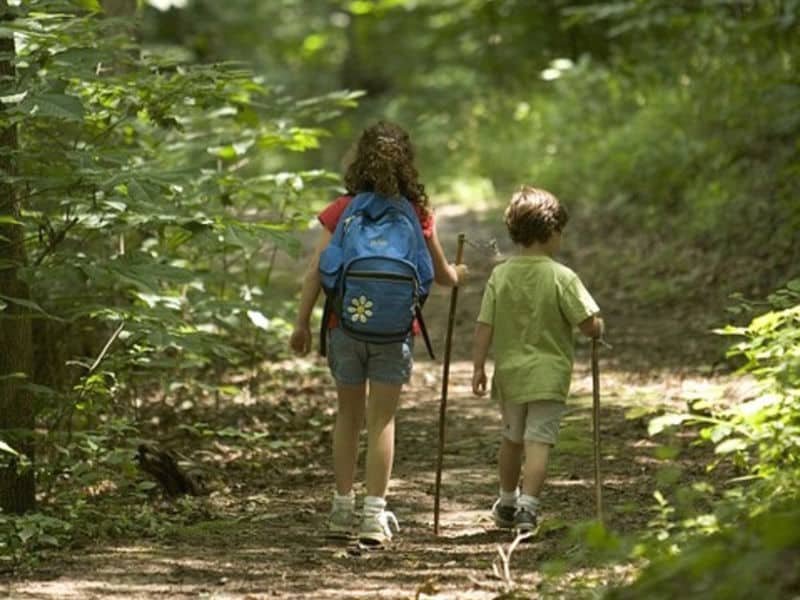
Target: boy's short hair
(533, 215)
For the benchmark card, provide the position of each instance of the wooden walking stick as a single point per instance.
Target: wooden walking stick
(445, 377)
(598, 484)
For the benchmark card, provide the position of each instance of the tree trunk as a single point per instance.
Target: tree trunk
(17, 487)
(360, 70)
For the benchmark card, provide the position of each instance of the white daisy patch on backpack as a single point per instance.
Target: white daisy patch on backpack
(359, 309)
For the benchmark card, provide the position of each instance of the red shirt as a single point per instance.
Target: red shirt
(330, 216)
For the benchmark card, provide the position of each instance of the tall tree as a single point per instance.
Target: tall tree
(17, 487)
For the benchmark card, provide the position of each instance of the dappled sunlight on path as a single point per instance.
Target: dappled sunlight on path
(267, 543)
(258, 535)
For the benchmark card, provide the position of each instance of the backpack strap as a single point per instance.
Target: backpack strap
(323, 328)
(336, 240)
(424, 330)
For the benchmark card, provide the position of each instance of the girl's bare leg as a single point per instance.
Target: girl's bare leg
(381, 409)
(349, 421)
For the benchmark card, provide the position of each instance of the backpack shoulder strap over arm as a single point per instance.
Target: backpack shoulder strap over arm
(424, 330)
(336, 240)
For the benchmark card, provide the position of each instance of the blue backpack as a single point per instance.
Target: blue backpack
(376, 271)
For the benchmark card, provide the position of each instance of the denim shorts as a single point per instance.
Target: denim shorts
(352, 361)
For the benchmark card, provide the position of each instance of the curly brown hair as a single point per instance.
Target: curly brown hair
(533, 215)
(383, 162)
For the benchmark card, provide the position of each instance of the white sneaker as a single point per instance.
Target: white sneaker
(375, 528)
(340, 522)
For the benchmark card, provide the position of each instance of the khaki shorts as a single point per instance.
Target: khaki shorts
(536, 421)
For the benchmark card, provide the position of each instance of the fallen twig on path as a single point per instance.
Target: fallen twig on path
(505, 560)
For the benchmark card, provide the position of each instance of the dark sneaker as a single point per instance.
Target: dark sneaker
(503, 516)
(525, 521)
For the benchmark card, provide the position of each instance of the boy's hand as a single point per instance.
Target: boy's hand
(300, 342)
(600, 328)
(479, 382)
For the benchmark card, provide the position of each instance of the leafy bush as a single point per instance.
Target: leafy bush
(750, 544)
(156, 197)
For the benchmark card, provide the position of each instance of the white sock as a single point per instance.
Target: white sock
(373, 505)
(529, 502)
(345, 500)
(509, 498)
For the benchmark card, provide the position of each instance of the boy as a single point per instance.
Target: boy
(530, 307)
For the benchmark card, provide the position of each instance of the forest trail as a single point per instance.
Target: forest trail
(259, 533)
(261, 538)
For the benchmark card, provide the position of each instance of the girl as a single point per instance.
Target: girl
(384, 164)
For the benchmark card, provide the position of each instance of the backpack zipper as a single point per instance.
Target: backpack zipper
(379, 275)
(387, 276)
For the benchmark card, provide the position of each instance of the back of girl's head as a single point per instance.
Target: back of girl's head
(533, 215)
(383, 162)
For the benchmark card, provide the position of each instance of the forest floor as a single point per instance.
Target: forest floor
(259, 532)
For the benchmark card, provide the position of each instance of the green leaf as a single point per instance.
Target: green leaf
(49, 540)
(666, 452)
(659, 424)
(26, 533)
(6, 448)
(29, 304)
(40, 390)
(258, 319)
(90, 5)
(138, 191)
(731, 445)
(82, 61)
(58, 106)
(18, 375)
(637, 412)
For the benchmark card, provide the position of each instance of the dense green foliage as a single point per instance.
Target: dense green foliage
(676, 118)
(749, 540)
(155, 197)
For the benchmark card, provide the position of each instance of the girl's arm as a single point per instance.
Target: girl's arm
(443, 272)
(300, 341)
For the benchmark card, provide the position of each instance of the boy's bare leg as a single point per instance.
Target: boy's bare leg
(537, 455)
(381, 409)
(509, 464)
(349, 421)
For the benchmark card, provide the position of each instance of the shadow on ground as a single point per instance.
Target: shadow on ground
(258, 533)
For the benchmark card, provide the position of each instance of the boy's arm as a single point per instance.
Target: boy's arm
(592, 327)
(480, 350)
(300, 341)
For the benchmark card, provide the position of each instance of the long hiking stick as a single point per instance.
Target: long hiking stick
(598, 483)
(445, 378)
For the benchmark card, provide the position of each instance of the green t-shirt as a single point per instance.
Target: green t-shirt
(533, 304)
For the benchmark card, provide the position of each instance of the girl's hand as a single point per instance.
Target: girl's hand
(300, 341)
(479, 382)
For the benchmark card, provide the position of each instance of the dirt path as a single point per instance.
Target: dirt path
(257, 535)
(259, 538)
